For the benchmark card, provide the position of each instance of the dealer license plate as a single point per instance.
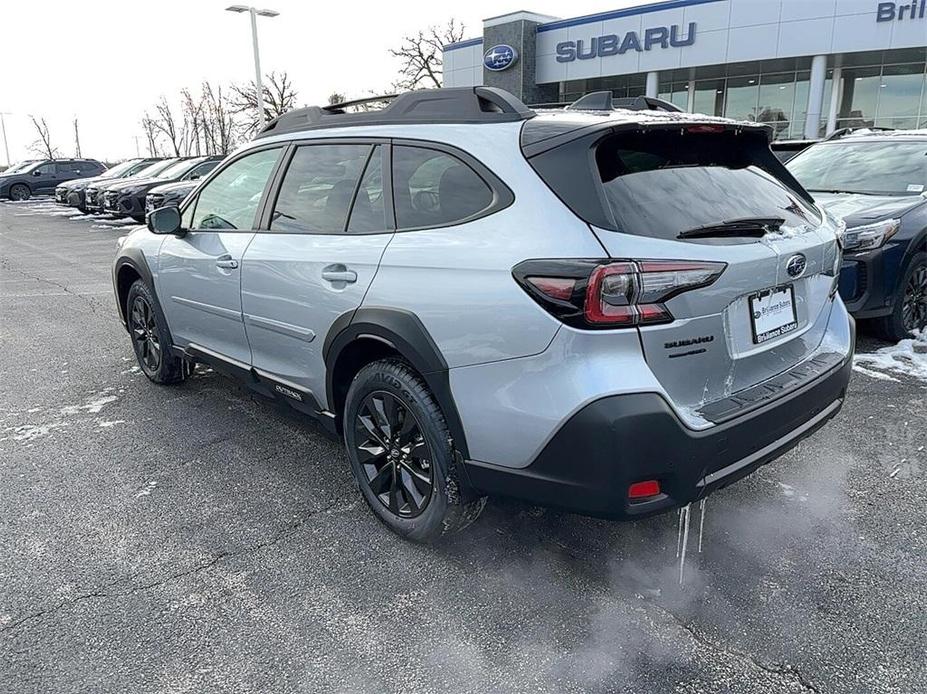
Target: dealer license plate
(772, 314)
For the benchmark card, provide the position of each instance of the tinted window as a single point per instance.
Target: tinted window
(433, 188)
(318, 187)
(68, 167)
(893, 168)
(369, 211)
(231, 199)
(201, 170)
(659, 185)
(46, 169)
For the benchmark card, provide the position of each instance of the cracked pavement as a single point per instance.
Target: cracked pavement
(197, 538)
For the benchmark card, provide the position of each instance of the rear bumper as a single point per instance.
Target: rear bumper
(616, 441)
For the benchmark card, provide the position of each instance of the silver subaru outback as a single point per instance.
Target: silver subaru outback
(610, 308)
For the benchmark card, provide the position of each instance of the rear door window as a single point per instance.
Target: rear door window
(318, 188)
(433, 188)
(661, 184)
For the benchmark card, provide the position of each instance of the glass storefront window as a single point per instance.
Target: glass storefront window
(860, 97)
(709, 97)
(776, 98)
(888, 95)
(899, 93)
(676, 93)
(741, 99)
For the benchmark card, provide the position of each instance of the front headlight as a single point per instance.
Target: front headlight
(869, 236)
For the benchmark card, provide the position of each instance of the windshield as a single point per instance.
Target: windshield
(663, 184)
(19, 166)
(119, 169)
(32, 165)
(178, 169)
(873, 168)
(154, 169)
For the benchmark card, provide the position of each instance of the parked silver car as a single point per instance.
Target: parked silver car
(611, 311)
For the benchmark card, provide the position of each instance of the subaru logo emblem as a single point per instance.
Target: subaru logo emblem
(796, 265)
(500, 57)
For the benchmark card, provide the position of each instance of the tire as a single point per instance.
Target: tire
(405, 468)
(20, 191)
(151, 338)
(910, 310)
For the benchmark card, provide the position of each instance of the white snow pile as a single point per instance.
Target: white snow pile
(908, 357)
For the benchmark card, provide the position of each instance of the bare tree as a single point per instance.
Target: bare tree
(219, 121)
(421, 56)
(151, 135)
(279, 97)
(165, 123)
(43, 145)
(196, 123)
(336, 98)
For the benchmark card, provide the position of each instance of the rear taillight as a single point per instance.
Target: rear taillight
(612, 293)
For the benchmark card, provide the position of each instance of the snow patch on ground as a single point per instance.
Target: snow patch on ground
(107, 425)
(29, 432)
(908, 357)
(47, 209)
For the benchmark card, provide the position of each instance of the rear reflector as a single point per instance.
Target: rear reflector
(644, 490)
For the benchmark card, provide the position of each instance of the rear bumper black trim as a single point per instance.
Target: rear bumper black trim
(613, 442)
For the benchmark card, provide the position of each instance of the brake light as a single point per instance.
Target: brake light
(612, 294)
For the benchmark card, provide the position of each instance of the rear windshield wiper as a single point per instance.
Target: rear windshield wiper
(748, 226)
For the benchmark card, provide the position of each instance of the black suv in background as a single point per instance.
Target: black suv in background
(127, 199)
(43, 176)
(72, 192)
(93, 195)
(875, 180)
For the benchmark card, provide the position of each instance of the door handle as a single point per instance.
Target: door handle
(339, 273)
(226, 263)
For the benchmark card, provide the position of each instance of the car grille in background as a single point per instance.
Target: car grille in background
(90, 196)
(862, 279)
(109, 199)
(61, 195)
(153, 201)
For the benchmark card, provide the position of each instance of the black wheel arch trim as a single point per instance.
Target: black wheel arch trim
(134, 258)
(404, 332)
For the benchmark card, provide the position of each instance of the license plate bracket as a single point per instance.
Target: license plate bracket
(772, 313)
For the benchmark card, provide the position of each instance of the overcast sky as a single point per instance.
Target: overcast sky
(104, 62)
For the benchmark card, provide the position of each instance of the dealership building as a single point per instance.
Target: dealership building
(806, 67)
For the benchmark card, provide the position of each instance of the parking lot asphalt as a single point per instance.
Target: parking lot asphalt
(197, 538)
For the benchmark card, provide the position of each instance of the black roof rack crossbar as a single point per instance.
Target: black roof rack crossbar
(446, 105)
(341, 105)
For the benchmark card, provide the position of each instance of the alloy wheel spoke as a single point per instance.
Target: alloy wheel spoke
(383, 480)
(371, 427)
(380, 412)
(410, 491)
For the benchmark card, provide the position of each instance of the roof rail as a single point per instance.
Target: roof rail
(843, 132)
(445, 105)
(604, 101)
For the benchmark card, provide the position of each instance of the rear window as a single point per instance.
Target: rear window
(660, 184)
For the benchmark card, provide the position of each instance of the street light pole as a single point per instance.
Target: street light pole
(258, 85)
(6, 147)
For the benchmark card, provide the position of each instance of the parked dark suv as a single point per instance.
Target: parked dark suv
(127, 199)
(41, 177)
(73, 193)
(876, 181)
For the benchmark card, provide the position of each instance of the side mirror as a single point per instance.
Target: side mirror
(36, 173)
(164, 220)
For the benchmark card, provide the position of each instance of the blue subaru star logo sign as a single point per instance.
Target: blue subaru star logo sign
(796, 265)
(500, 57)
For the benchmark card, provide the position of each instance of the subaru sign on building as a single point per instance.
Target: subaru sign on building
(806, 67)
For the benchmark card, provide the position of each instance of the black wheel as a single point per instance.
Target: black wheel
(20, 191)
(400, 452)
(150, 337)
(910, 310)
